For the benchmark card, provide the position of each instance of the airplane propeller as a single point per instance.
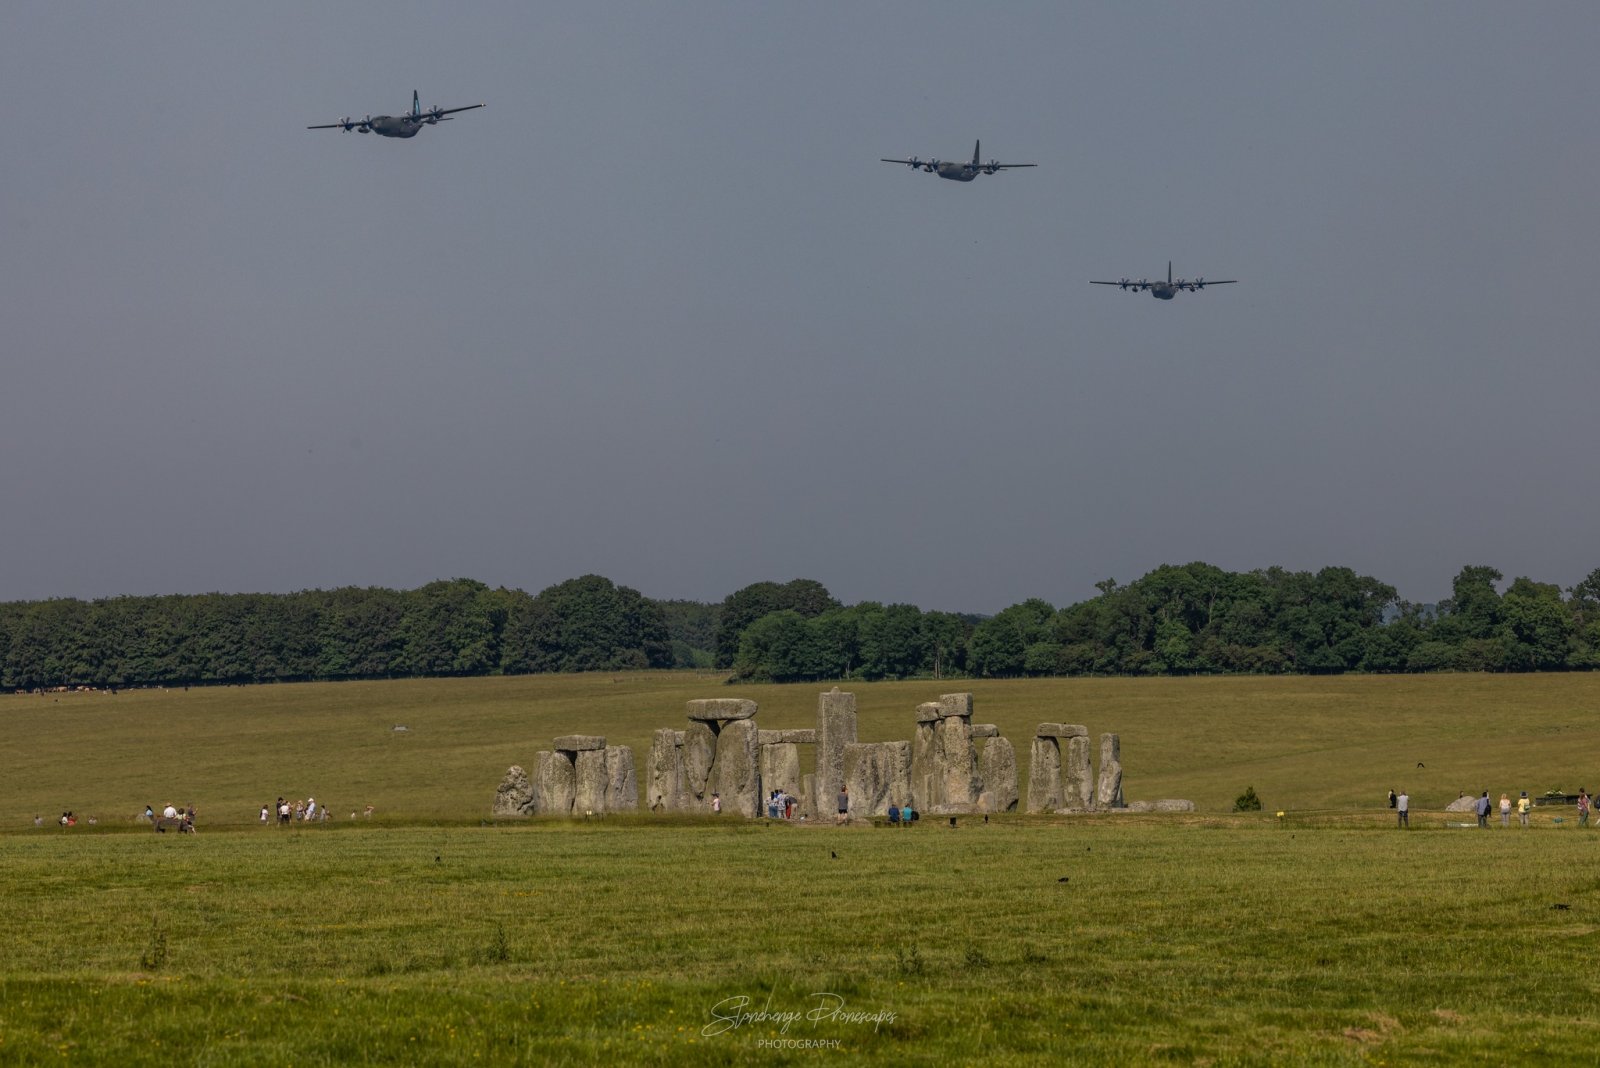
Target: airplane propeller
(365, 125)
(913, 162)
(1124, 284)
(931, 166)
(434, 116)
(1199, 283)
(993, 167)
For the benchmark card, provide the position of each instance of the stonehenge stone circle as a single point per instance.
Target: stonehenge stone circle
(950, 766)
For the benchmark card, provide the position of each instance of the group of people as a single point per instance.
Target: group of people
(1401, 803)
(182, 818)
(780, 806)
(294, 811)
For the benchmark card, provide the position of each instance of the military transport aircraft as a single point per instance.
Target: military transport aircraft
(960, 172)
(397, 125)
(1168, 289)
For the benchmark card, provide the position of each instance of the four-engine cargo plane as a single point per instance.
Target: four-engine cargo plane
(397, 125)
(960, 172)
(1168, 289)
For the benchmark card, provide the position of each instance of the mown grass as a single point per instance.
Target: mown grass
(432, 935)
(1103, 939)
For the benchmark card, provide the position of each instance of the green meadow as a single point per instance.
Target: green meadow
(430, 934)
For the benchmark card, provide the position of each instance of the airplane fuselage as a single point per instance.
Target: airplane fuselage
(1163, 291)
(396, 126)
(957, 172)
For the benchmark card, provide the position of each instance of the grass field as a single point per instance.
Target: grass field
(428, 935)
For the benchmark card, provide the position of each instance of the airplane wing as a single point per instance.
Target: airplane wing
(448, 111)
(329, 126)
(1006, 166)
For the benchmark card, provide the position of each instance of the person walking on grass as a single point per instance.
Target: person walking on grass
(1483, 810)
(1402, 807)
(1583, 807)
(1523, 804)
(1505, 810)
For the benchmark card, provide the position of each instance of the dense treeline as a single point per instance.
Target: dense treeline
(1176, 620)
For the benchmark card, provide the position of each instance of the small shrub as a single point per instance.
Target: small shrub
(154, 957)
(976, 958)
(1248, 801)
(908, 961)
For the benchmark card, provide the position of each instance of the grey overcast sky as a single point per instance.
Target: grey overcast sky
(659, 313)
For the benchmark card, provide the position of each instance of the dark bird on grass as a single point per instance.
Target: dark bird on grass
(832, 854)
(438, 860)
(1562, 906)
(1420, 764)
(1064, 879)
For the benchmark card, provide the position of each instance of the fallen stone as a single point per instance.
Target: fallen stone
(1173, 804)
(721, 709)
(514, 795)
(1463, 804)
(578, 743)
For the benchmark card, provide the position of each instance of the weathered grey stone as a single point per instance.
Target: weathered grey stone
(997, 767)
(578, 743)
(922, 787)
(721, 709)
(736, 774)
(808, 797)
(985, 730)
(956, 780)
(1061, 730)
(1173, 804)
(836, 728)
(1044, 775)
(928, 712)
(1108, 794)
(699, 753)
(514, 795)
(780, 770)
(877, 774)
(1137, 806)
(622, 788)
(664, 773)
(955, 704)
(1077, 776)
(802, 736)
(557, 784)
(1465, 803)
(589, 792)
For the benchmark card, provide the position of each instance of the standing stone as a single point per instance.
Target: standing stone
(1109, 792)
(808, 797)
(664, 772)
(780, 770)
(558, 783)
(736, 772)
(699, 753)
(955, 765)
(923, 791)
(1077, 790)
(622, 788)
(1044, 775)
(589, 792)
(514, 796)
(997, 766)
(836, 728)
(877, 775)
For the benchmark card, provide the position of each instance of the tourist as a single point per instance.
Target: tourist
(1505, 810)
(772, 805)
(1483, 809)
(283, 812)
(844, 804)
(716, 803)
(311, 808)
(169, 813)
(894, 814)
(38, 821)
(149, 814)
(908, 816)
(1402, 805)
(263, 813)
(1523, 804)
(1583, 807)
(1391, 798)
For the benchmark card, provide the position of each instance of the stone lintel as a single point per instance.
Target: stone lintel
(578, 743)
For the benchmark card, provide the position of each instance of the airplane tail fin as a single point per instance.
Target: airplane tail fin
(1169, 272)
(416, 104)
(975, 153)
